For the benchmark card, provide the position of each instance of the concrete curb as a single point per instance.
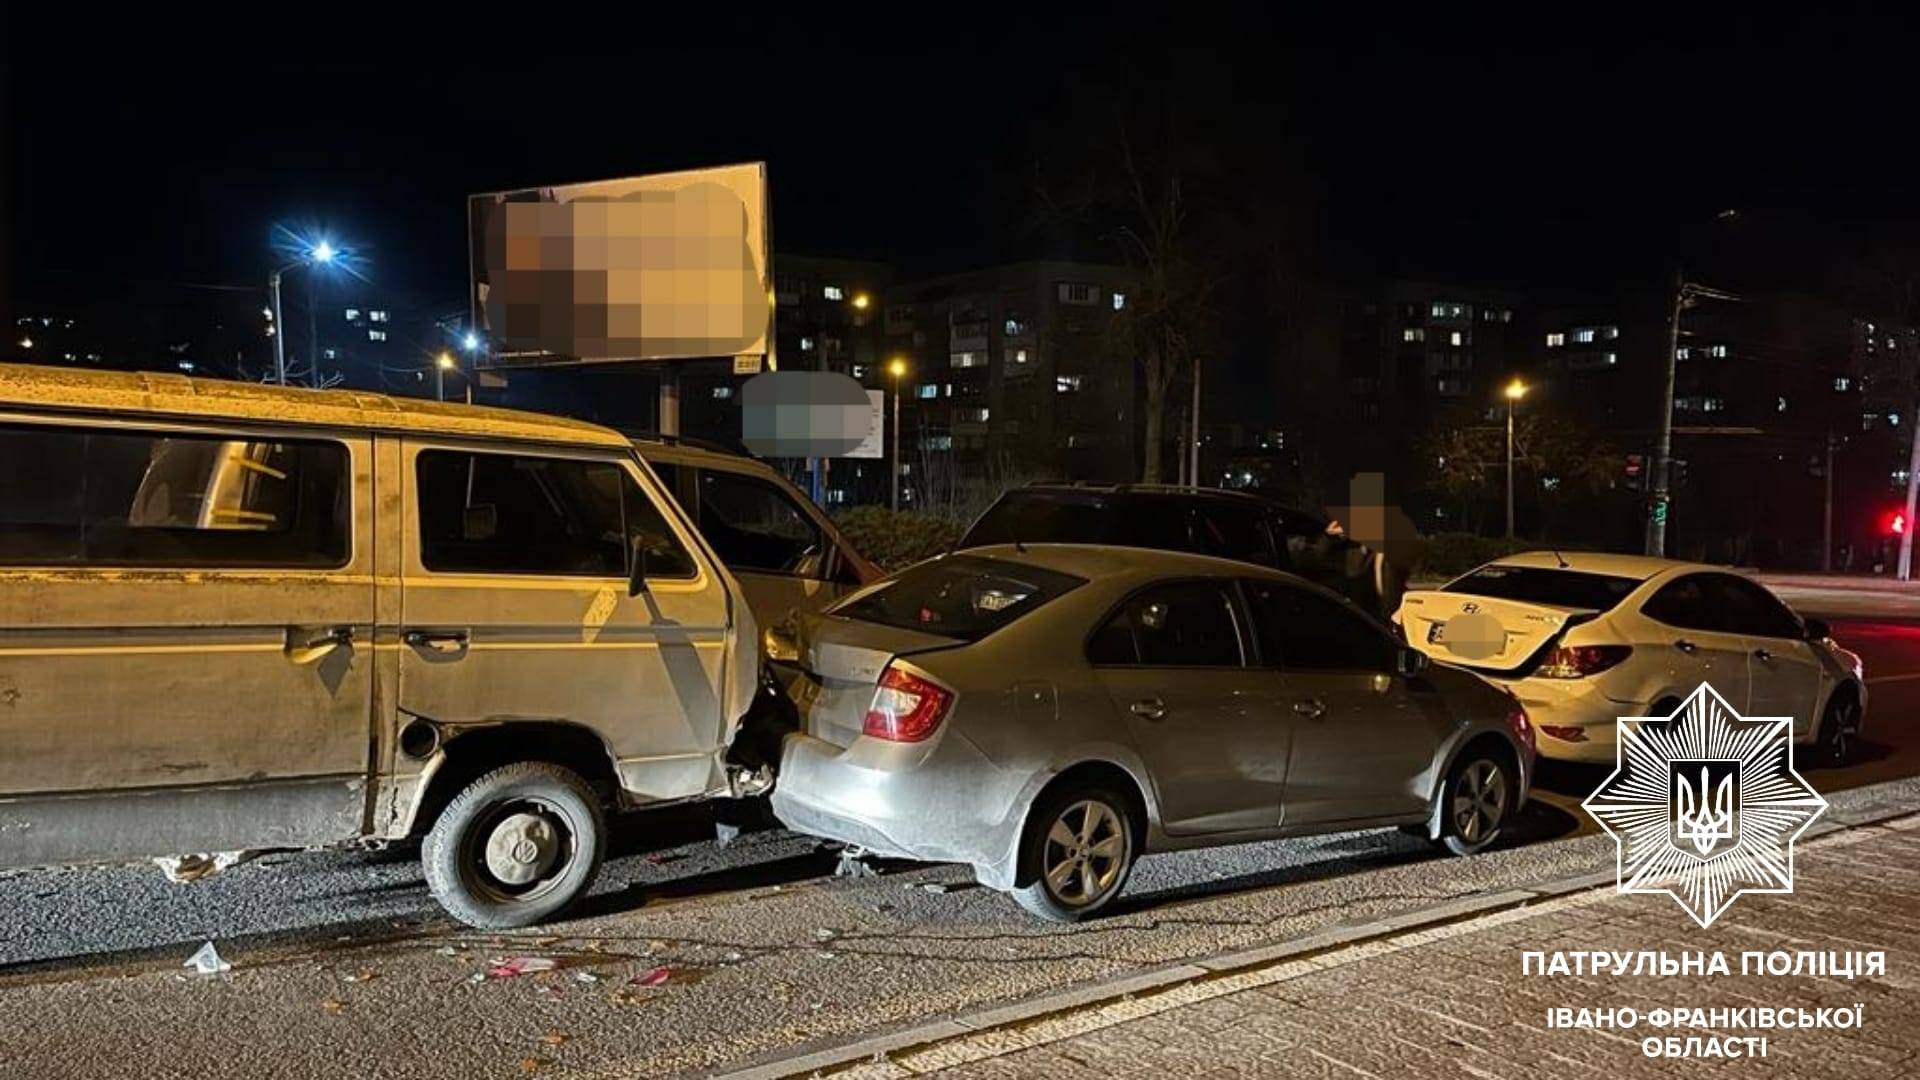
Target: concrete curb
(811, 1058)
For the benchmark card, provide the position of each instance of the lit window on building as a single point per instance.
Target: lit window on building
(1077, 293)
(859, 371)
(946, 390)
(968, 359)
(1413, 333)
(1610, 359)
(376, 335)
(1554, 341)
(1456, 339)
(1119, 301)
(353, 314)
(834, 292)
(722, 393)
(1446, 309)
(330, 354)
(377, 316)
(806, 344)
(927, 391)
(1717, 350)
(1019, 356)
(1609, 333)
(976, 415)
(1868, 419)
(1842, 384)
(1779, 404)
(1015, 327)
(937, 442)
(1066, 384)
(1585, 335)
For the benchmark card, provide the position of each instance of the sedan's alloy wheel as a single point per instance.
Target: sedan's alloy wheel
(1085, 853)
(1479, 801)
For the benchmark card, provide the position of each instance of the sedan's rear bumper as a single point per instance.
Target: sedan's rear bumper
(944, 803)
(1572, 720)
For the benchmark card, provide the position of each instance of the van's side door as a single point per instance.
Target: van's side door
(186, 638)
(515, 607)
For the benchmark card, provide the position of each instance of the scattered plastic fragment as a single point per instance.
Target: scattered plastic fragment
(555, 1038)
(208, 961)
(333, 1005)
(725, 834)
(657, 976)
(447, 950)
(825, 934)
(185, 869)
(362, 976)
(853, 863)
(521, 965)
(586, 977)
(734, 956)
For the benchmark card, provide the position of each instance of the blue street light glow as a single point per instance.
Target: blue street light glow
(323, 252)
(471, 341)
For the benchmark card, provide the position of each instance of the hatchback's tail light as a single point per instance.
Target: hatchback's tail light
(1579, 661)
(906, 707)
(1520, 724)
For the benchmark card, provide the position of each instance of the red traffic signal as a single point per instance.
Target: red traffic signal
(1893, 522)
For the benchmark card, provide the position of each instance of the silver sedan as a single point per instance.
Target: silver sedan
(1047, 713)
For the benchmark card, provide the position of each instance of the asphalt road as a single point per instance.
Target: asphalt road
(767, 947)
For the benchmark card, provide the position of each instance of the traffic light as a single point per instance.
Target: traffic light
(1893, 523)
(1636, 471)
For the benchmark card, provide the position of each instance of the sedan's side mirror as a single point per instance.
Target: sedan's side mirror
(1409, 662)
(1818, 630)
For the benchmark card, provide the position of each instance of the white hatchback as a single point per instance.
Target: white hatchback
(1584, 638)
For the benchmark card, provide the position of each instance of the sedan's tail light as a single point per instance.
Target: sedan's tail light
(906, 707)
(1579, 661)
(1520, 724)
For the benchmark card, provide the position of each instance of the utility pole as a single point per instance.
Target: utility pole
(1905, 568)
(1685, 295)
(1826, 524)
(1514, 392)
(1193, 442)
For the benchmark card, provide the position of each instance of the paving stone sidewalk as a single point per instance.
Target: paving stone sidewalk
(1452, 1001)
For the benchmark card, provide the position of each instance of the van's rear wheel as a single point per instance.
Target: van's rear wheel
(515, 847)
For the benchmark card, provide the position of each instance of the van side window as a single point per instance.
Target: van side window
(78, 497)
(526, 514)
(753, 525)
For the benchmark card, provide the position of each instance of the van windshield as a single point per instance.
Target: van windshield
(958, 596)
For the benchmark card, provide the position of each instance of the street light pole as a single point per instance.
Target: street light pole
(1514, 392)
(322, 252)
(896, 368)
(279, 328)
(1685, 294)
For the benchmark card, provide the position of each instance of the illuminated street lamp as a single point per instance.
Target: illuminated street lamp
(861, 301)
(321, 253)
(897, 367)
(470, 341)
(441, 365)
(26, 343)
(1514, 392)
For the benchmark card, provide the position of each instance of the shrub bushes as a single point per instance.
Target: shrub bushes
(897, 538)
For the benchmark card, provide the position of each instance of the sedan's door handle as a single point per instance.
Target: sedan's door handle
(1685, 646)
(445, 641)
(1149, 709)
(1312, 708)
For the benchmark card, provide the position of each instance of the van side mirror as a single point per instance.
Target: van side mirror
(1409, 662)
(637, 572)
(1818, 630)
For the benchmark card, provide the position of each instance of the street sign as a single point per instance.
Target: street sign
(873, 445)
(746, 365)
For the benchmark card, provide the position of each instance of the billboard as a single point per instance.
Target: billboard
(663, 267)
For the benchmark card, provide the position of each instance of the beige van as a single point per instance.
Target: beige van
(236, 617)
(785, 552)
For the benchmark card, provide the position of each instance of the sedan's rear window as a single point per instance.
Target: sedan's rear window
(1541, 585)
(958, 596)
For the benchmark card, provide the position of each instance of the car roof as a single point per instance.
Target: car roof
(161, 394)
(1637, 567)
(1101, 560)
(1162, 491)
(670, 450)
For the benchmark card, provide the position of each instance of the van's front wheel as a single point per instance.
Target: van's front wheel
(516, 846)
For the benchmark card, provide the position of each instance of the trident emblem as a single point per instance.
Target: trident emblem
(1703, 816)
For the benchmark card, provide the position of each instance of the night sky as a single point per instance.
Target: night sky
(143, 147)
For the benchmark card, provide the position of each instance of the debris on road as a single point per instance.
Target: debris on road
(657, 976)
(853, 863)
(825, 934)
(724, 834)
(447, 950)
(521, 965)
(555, 1038)
(362, 977)
(208, 961)
(186, 869)
(586, 976)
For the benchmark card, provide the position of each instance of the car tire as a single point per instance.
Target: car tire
(1077, 853)
(516, 847)
(1839, 724)
(1477, 800)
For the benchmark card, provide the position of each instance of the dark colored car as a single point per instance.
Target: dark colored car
(1204, 521)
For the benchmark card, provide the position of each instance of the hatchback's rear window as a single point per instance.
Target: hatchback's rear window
(1542, 585)
(958, 596)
